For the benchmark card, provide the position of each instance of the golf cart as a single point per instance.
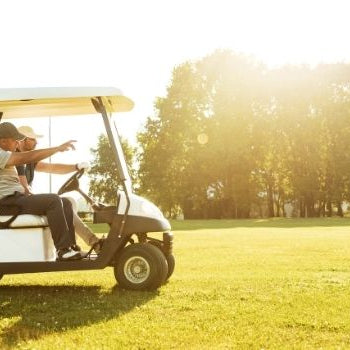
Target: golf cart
(140, 262)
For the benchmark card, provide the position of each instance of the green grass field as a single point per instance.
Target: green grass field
(244, 284)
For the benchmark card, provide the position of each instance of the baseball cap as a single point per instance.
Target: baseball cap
(9, 131)
(27, 131)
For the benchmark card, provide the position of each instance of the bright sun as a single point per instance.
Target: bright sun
(278, 32)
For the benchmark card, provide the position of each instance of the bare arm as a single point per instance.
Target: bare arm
(55, 168)
(24, 183)
(18, 158)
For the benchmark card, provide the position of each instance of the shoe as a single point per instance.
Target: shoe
(77, 248)
(68, 254)
(98, 245)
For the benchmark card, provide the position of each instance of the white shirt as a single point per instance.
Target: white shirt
(9, 181)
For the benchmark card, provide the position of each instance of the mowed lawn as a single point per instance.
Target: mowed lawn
(244, 284)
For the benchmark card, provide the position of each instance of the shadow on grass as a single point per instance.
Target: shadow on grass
(189, 225)
(35, 310)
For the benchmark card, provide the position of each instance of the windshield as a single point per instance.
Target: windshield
(116, 146)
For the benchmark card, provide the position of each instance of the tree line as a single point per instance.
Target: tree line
(234, 138)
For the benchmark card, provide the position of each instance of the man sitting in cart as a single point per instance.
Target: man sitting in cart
(26, 177)
(58, 210)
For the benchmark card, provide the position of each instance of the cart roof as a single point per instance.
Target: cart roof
(59, 101)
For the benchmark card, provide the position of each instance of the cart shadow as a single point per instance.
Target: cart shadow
(30, 312)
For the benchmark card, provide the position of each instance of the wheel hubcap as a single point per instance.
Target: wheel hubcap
(136, 269)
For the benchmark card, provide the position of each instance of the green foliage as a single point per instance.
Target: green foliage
(169, 141)
(233, 138)
(104, 180)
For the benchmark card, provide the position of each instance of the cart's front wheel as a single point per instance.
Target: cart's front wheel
(141, 266)
(169, 258)
(171, 264)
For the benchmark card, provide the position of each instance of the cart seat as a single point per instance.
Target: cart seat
(26, 220)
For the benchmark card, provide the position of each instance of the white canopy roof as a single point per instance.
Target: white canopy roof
(60, 101)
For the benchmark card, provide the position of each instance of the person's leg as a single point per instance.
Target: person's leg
(82, 230)
(69, 215)
(45, 204)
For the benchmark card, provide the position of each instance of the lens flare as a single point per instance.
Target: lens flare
(202, 138)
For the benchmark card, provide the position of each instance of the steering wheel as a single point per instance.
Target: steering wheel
(72, 184)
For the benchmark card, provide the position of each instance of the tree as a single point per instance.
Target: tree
(104, 180)
(168, 141)
(211, 98)
(232, 136)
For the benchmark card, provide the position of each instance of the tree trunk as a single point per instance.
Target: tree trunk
(319, 208)
(310, 208)
(340, 210)
(278, 207)
(302, 207)
(322, 208)
(329, 209)
(270, 207)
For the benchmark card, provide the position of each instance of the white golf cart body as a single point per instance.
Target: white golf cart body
(26, 244)
(28, 238)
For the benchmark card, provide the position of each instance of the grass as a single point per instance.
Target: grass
(244, 284)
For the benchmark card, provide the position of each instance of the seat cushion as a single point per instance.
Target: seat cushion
(26, 220)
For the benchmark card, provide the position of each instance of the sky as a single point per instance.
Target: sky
(134, 45)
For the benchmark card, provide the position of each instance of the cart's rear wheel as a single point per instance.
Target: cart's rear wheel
(141, 266)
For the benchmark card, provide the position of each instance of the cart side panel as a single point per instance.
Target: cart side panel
(26, 244)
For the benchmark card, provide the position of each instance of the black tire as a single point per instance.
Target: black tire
(169, 258)
(171, 265)
(141, 266)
